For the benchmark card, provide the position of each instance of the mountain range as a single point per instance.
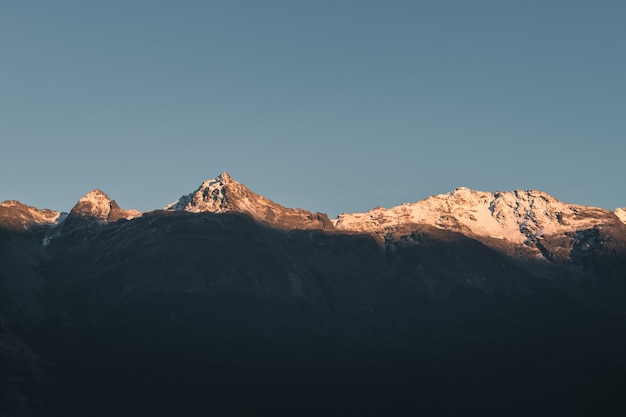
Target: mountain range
(227, 303)
(517, 217)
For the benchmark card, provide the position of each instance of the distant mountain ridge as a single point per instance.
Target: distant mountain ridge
(517, 217)
(14, 214)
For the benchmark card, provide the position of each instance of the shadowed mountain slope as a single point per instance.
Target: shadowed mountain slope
(213, 307)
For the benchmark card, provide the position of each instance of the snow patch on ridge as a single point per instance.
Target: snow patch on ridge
(621, 214)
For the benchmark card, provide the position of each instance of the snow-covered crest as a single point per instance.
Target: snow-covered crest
(516, 216)
(621, 214)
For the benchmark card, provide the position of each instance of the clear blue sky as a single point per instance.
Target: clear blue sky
(334, 106)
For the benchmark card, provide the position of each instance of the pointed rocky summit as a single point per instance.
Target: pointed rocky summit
(223, 194)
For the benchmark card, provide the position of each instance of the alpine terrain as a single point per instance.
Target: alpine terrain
(225, 303)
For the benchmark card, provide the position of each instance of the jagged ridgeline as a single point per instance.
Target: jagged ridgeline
(226, 303)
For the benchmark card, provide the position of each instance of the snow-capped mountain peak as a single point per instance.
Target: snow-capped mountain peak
(95, 203)
(621, 214)
(223, 194)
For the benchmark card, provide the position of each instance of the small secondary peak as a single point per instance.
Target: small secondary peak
(225, 177)
(459, 190)
(96, 205)
(10, 203)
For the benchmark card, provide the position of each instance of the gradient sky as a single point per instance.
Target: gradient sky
(334, 106)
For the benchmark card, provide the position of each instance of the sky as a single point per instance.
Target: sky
(333, 106)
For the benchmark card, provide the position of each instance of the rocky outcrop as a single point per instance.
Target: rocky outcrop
(97, 206)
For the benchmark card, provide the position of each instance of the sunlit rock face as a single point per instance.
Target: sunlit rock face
(14, 214)
(520, 219)
(621, 214)
(515, 216)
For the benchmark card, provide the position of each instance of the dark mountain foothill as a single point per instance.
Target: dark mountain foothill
(219, 306)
